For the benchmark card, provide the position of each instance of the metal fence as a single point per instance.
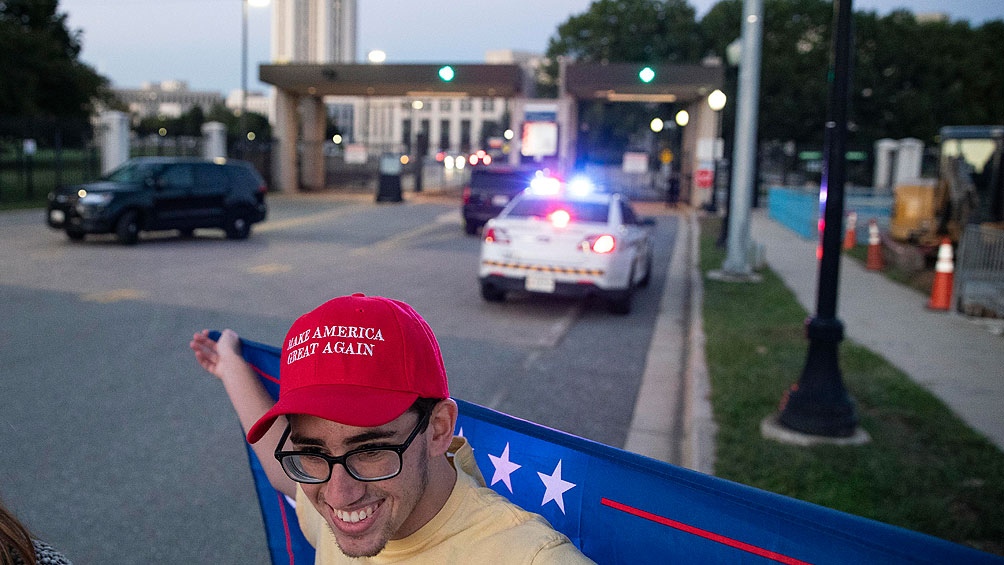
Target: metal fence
(979, 272)
(38, 155)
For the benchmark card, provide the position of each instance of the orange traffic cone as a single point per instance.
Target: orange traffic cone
(944, 273)
(851, 238)
(874, 261)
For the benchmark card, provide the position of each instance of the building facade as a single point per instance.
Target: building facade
(169, 99)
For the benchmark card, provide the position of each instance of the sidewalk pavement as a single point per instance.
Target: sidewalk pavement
(958, 359)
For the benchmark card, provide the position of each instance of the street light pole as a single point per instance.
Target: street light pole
(819, 404)
(716, 101)
(242, 120)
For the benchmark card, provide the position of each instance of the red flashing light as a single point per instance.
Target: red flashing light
(559, 218)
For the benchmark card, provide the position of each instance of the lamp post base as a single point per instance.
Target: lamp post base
(819, 404)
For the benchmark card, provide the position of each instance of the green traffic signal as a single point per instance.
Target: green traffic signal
(446, 73)
(646, 75)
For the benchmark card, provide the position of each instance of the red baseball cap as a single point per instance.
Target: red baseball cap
(357, 360)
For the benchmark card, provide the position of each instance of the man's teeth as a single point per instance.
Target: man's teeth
(355, 515)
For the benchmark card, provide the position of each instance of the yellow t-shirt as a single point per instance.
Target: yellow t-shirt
(476, 525)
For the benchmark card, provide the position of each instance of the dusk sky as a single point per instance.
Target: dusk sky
(199, 41)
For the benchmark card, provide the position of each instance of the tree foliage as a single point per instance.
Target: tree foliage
(910, 76)
(42, 75)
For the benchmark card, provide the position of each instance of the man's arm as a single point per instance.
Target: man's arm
(251, 401)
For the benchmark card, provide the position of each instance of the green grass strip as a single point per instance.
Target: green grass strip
(924, 468)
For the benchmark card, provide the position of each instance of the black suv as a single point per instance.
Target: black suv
(161, 193)
(489, 190)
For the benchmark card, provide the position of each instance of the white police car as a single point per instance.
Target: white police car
(567, 239)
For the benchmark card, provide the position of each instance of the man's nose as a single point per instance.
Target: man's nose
(341, 489)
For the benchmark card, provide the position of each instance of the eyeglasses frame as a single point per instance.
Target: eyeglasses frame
(399, 449)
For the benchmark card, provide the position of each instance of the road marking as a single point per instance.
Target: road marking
(116, 295)
(275, 225)
(397, 240)
(270, 269)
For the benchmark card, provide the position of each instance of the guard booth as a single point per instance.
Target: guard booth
(301, 115)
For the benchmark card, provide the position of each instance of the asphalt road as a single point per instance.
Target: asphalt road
(119, 449)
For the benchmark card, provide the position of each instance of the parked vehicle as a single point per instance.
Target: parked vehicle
(552, 239)
(162, 193)
(489, 190)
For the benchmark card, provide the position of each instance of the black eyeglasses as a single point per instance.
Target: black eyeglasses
(367, 464)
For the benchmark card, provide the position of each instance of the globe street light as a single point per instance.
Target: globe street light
(716, 101)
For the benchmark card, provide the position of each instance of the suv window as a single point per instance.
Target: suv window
(211, 179)
(498, 181)
(177, 176)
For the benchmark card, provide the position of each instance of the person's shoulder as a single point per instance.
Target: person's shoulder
(524, 536)
(45, 553)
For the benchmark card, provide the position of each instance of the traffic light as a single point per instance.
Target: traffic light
(446, 73)
(647, 74)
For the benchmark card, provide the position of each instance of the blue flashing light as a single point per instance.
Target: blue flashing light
(581, 186)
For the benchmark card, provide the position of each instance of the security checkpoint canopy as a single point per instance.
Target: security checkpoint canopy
(440, 79)
(639, 82)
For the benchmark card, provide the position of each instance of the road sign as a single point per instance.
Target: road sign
(703, 178)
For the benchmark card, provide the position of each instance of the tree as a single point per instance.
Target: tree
(910, 77)
(42, 74)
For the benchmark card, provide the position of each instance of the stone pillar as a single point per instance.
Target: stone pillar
(885, 151)
(214, 140)
(285, 132)
(312, 151)
(908, 160)
(114, 140)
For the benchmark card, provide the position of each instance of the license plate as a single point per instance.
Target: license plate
(57, 216)
(500, 200)
(538, 282)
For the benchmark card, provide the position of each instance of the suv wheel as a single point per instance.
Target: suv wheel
(127, 228)
(237, 226)
(471, 228)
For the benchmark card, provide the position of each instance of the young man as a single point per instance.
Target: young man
(363, 439)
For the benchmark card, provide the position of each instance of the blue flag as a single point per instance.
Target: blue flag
(621, 507)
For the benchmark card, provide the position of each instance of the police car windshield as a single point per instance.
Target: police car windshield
(579, 211)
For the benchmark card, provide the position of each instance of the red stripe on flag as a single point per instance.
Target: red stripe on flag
(772, 555)
(285, 529)
(263, 374)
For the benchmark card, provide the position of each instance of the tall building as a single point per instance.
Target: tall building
(314, 31)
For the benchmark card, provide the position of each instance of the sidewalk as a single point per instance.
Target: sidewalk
(958, 359)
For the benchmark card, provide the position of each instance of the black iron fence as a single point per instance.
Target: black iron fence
(38, 155)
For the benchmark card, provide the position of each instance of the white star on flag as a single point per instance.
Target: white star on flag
(555, 487)
(503, 467)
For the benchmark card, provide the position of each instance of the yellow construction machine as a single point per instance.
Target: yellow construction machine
(968, 189)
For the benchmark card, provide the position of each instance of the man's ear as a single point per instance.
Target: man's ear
(442, 422)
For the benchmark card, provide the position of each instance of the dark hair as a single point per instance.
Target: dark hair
(15, 542)
(423, 406)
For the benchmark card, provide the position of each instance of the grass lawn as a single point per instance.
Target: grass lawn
(924, 469)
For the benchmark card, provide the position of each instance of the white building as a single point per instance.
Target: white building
(169, 99)
(314, 31)
(318, 31)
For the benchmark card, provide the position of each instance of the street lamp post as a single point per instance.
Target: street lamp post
(716, 101)
(242, 119)
(819, 404)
